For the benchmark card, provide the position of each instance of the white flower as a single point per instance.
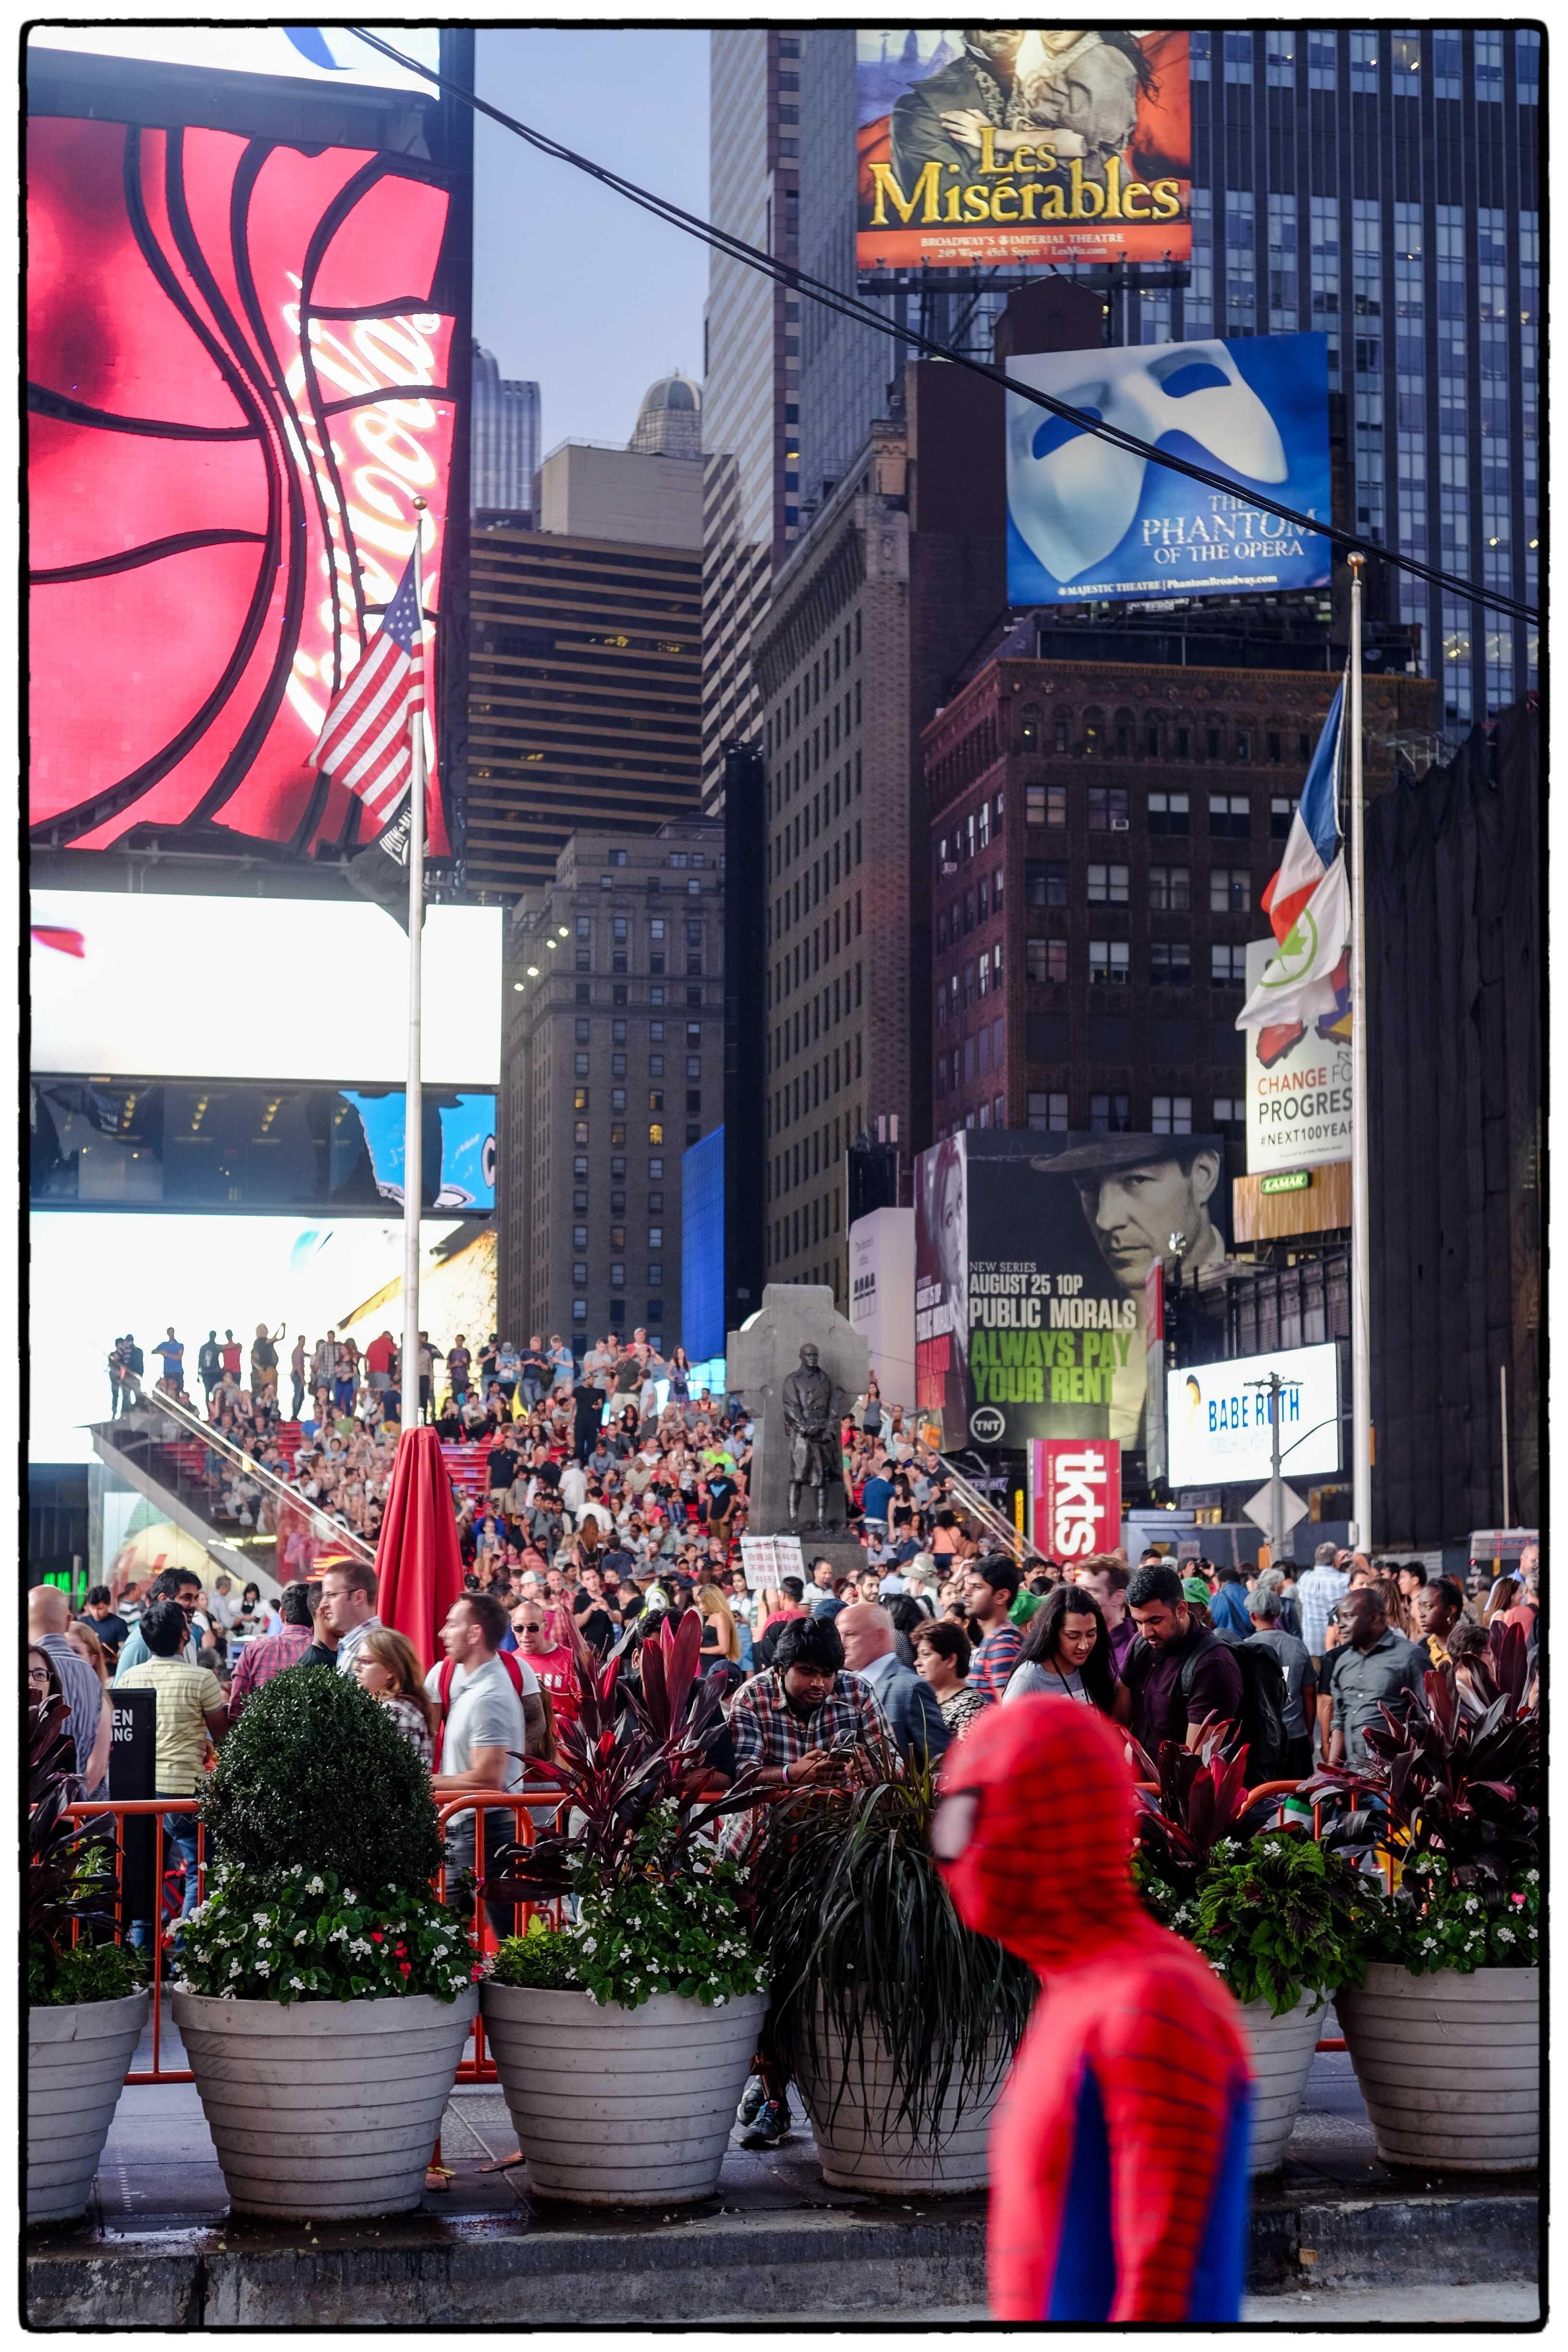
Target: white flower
(295, 1869)
(301, 1936)
(1531, 1877)
(359, 1943)
(350, 1896)
(234, 1967)
(264, 1968)
(1472, 1903)
(298, 1983)
(1505, 1936)
(260, 1918)
(315, 1887)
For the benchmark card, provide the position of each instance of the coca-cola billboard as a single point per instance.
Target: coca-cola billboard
(239, 381)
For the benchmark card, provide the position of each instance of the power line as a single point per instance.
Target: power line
(849, 306)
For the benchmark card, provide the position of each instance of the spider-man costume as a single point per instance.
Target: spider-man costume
(1119, 2184)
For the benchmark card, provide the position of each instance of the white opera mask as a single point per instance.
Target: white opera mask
(1075, 503)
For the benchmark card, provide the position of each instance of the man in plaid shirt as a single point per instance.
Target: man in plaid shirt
(989, 1589)
(267, 1655)
(795, 1724)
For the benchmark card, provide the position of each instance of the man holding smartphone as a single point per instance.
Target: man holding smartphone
(800, 1725)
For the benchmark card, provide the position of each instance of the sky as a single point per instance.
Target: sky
(572, 284)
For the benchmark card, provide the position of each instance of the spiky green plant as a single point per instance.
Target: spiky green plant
(863, 1943)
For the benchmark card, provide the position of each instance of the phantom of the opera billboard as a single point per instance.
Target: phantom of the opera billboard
(1021, 146)
(1031, 1252)
(247, 352)
(1086, 519)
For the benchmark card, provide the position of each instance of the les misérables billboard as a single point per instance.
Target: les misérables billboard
(1030, 1256)
(1086, 518)
(1022, 145)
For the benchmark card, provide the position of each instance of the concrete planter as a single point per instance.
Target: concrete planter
(77, 2058)
(621, 2106)
(325, 2108)
(1282, 2050)
(1448, 2066)
(863, 2145)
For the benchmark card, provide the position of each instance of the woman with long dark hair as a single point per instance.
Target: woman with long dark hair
(1067, 1654)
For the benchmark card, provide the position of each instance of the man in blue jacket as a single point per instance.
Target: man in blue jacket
(910, 1704)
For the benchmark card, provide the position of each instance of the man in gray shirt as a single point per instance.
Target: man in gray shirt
(1296, 1665)
(1374, 1668)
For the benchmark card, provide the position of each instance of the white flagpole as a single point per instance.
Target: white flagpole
(414, 1112)
(1361, 1218)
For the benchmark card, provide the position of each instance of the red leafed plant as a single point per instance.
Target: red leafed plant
(1200, 1798)
(637, 1746)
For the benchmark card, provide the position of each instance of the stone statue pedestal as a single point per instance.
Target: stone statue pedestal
(762, 1359)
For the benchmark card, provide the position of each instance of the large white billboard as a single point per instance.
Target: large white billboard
(316, 53)
(883, 1298)
(1219, 1431)
(1297, 1085)
(175, 987)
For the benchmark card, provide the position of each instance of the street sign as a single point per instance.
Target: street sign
(1259, 1507)
(1295, 1180)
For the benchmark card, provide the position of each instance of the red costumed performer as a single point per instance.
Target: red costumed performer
(1118, 2183)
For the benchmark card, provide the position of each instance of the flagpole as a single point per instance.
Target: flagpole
(414, 1109)
(1361, 1216)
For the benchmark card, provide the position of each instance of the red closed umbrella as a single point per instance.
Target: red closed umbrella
(418, 1565)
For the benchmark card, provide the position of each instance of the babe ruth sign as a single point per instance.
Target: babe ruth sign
(1077, 1489)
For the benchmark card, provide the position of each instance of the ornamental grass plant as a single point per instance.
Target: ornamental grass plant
(323, 1837)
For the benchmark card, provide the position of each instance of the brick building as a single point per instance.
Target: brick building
(1100, 833)
(612, 1065)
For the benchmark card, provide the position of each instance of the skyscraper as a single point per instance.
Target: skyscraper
(505, 440)
(751, 366)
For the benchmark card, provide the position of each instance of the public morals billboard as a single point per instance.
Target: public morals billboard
(1088, 519)
(1030, 1256)
(1022, 145)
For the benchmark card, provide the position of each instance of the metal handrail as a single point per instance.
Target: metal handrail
(279, 1490)
(995, 1523)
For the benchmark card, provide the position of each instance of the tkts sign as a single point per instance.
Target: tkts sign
(1077, 1493)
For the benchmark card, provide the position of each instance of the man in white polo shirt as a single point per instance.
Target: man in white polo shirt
(491, 1722)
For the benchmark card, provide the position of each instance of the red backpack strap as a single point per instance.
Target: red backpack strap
(509, 1661)
(443, 1690)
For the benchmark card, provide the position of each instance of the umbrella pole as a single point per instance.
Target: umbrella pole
(414, 1109)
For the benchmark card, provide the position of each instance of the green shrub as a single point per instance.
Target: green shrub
(544, 1958)
(315, 1773)
(86, 1972)
(1279, 1915)
(1432, 1922)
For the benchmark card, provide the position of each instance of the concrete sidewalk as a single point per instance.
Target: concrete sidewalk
(158, 2248)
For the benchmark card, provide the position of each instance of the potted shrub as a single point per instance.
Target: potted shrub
(326, 1991)
(900, 2024)
(87, 2001)
(1280, 1917)
(623, 2040)
(1455, 1945)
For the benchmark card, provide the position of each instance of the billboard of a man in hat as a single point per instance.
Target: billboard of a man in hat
(1146, 1197)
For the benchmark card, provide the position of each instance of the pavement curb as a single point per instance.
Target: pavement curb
(825, 2264)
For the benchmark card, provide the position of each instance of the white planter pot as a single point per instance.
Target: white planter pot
(1282, 2050)
(1448, 2066)
(863, 2145)
(77, 2058)
(621, 2106)
(324, 2107)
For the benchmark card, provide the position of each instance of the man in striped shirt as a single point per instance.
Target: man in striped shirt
(989, 1589)
(267, 1655)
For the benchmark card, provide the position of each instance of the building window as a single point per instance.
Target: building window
(655, 1098)
(617, 1097)
(1029, 728)
(619, 1134)
(580, 1273)
(1107, 962)
(656, 1131)
(579, 1236)
(1110, 1113)
(580, 1131)
(1044, 804)
(1280, 812)
(1230, 816)
(1171, 1115)
(655, 1065)
(1170, 889)
(581, 1032)
(585, 926)
(1230, 890)
(618, 930)
(1227, 966)
(677, 858)
(617, 1066)
(580, 1065)
(579, 1168)
(1045, 884)
(617, 1310)
(1229, 1110)
(1168, 813)
(617, 1277)
(584, 962)
(656, 1237)
(1405, 58)
(579, 1098)
(1279, 50)
(1169, 964)
(1049, 1114)
(654, 1274)
(1108, 886)
(1108, 808)
(580, 1309)
(1045, 959)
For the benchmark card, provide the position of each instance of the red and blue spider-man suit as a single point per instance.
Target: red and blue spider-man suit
(1118, 2183)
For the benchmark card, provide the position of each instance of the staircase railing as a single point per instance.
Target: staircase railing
(996, 1524)
(185, 1427)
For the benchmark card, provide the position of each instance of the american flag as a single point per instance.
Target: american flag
(366, 743)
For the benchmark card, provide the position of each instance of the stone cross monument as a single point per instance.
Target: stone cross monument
(798, 1366)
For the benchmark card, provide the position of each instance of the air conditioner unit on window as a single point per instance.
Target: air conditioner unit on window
(1120, 824)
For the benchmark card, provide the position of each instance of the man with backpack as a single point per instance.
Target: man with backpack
(1181, 1671)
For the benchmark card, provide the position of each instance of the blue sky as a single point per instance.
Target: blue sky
(572, 284)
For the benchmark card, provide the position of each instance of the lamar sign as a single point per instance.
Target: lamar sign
(1077, 1496)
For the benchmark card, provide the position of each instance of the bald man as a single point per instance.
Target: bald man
(89, 1715)
(910, 1704)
